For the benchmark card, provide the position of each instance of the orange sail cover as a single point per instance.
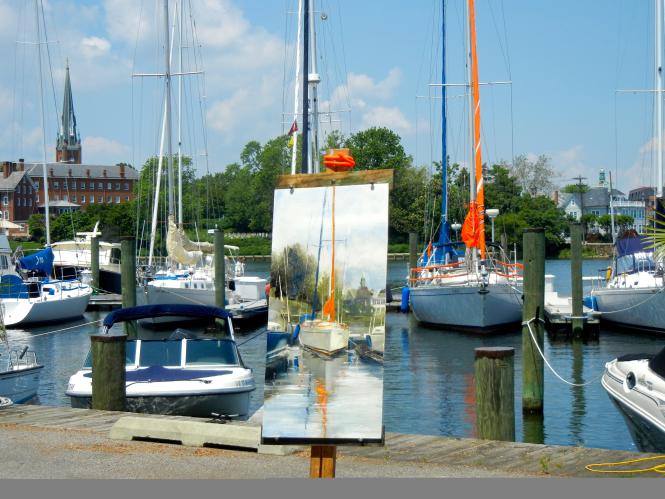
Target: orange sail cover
(477, 208)
(329, 306)
(471, 229)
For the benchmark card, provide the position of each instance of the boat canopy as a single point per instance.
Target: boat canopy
(632, 245)
(167, 310)
(42, 261)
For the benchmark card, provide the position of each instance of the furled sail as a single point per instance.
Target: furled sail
(179, 247)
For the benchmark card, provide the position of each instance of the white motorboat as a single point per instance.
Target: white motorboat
(186, 374)
(634, 294)
(636, 383)
(19, 380)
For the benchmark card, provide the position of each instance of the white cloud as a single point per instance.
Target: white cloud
(390, 117)
(93, 46)
(104, 150)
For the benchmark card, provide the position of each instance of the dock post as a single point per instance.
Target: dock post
(219, 269)
(94, 262)
(323, 459)
(413, 251)
(534, 305)
(577, 318)
(108, 372)
(128, 279)
(495, 393)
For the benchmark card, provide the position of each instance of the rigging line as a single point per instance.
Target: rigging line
(498, 35)
(346, 70)
(50, 67)
(286, 35)
(66, 329)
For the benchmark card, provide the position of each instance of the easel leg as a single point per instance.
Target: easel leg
(323, 459)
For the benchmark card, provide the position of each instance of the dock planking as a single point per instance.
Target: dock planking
(515, 457)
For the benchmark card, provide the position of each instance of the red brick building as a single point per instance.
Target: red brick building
(17, 197)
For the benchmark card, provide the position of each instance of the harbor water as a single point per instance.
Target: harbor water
(429, 385)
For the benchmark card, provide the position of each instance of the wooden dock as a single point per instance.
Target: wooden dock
(559, 312)
(104, 301)
(521, 459)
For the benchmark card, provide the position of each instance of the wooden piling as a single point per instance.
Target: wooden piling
(577, 318)
(128, 279)
(323, 459)
(534, 306)
(219, 269)
(413, 251)
(94, 262)
(108, 372)
(495, 393)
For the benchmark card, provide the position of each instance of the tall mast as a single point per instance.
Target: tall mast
(659, 98)
(443, 231)
(480, 190)
(167, 80)
(472, 177)
(314, 79)
(332, 272)
(305, 90)
(181, 15)
(41, 101)
(294, 148)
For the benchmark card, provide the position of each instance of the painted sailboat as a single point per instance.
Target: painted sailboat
(477, 291)
(326, 335)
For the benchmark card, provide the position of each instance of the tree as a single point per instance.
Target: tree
(536, 177)
(377, 148)
(576, 188)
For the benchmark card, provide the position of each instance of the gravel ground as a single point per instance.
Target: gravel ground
(30, 452)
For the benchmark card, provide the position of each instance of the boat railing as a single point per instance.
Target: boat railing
(23, 358)
(431, 272)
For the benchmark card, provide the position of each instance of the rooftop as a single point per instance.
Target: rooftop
(72, 170)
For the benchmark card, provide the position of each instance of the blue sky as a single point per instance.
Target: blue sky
(566, 60)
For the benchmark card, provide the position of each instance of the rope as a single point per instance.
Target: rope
(261, 333)
(528, 325)
(659, 468)
(636, 305)
(67, 328)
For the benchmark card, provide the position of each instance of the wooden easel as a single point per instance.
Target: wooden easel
(322, 461)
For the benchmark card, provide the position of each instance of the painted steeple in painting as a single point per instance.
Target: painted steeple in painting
(68, 148)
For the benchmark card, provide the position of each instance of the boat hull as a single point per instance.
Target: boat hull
(202, 406)
(640, 308)
(21, 311)
(467, 307)
(20, 385)
(324, 337)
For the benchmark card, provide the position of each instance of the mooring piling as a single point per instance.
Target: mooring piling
(94, 261)
(108, 372)
(532, 314)
(495, 393)
(577, 316)
(128, 279)
(413, 251)
(219, 269)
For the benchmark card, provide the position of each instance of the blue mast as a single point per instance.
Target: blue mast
(443, 245)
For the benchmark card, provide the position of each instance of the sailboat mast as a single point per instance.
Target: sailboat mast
(443, 231)
(472, 177)
(332, 264)
(314, 79)
(294, 148)
(167, 80)
(659, 98)
(41, 101)
(181, 15)
(480, 190)
(305, 90)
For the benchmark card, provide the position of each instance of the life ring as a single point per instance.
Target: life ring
(339, 160)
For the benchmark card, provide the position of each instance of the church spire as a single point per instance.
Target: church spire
(68, 149)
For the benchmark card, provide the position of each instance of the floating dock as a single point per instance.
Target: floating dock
(104, 301)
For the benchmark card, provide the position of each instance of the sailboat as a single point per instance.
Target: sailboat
(189, 279)
(325, 335)
(33, 298)
(633, 292)
(477, 292)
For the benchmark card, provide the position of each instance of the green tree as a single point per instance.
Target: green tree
(576, 188)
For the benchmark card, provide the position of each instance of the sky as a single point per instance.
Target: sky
(566, 61)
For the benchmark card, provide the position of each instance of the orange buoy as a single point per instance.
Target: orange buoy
(338, 160)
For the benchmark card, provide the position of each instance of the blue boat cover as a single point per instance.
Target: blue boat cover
(167, 310)
(12, 286)
(632, 245)
(41, 261)
(161, 373)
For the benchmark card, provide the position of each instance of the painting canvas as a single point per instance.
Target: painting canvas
(327, 306)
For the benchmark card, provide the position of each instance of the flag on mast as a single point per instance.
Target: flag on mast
(292, 131)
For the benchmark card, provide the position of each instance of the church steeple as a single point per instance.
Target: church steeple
(68, 148)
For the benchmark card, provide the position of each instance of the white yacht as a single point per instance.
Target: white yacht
(636, 383)
(186, 374)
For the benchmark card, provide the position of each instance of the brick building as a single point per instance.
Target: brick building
(17, 197)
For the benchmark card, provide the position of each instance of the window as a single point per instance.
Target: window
(126, 198)
(5, 200)
(207, 352)
(109, 186)
(4, 263)
(37, 184)
(56, 185)
(55, 197)
(82, 185)
(38, 198)
(92, 199)
(73, 185)
(64, 185)
(29, 189)
(109, 199)
(23, 189)
(117, 199)
(160, 353)
(126, 186)
(117, 186)
(30, 202)
(82, 198)
(100, 186)
(100, 199)
(73, 199)
(6, 215)
(65, 197)
(18, 202)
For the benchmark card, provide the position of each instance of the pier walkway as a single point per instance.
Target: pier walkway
(60, 442)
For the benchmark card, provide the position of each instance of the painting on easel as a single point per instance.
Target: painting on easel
(327, 309)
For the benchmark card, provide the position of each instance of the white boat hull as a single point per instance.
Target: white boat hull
(324, 337)
(640, 395)
(20, 385)
(642, 308)
(61, 307)
(467, 306)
